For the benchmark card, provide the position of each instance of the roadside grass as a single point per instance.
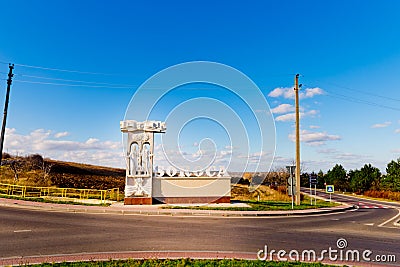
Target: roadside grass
(262, 206)
(262, 198)
(54, 201)
(184, 263)
(262, 193)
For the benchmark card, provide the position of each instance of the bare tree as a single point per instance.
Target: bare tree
(303, 167)
(46, 169)
(16, 166)
(35, 161)
(277, 176)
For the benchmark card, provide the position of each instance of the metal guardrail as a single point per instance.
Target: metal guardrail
(43, 192)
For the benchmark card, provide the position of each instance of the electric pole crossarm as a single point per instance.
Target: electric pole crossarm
(3, 128)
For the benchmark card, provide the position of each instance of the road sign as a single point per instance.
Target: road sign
(290, 190)
(291, 180)
(313, 179)
(330, 189)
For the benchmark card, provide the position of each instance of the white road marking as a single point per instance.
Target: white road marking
(22, 231)
(391, 219)
(369, 224)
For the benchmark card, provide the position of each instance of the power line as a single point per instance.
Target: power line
(367, 93)
(360, 91)
(103, 86)
(74, 85)
(70, 80)
(360, 101)
(63, 70)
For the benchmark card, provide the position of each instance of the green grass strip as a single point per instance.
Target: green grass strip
(183, 263)
(262, 206)
(43, 200)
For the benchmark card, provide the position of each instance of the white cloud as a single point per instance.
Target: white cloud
(381, 125)
(312, 112)
(283, 108)
(327, 151)
(224, 153)
(348, 156)
(397, 131)
(92, 151)
(287, 117)
(314, 138)
(254, 157)
(288, 92)
(292, 116)
(61, 134)
(311, 92)
(314, 127)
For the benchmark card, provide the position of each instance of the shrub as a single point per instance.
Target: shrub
(383, 194)
(35, 161)
(6, 156)
(244, 181)
(282, 189)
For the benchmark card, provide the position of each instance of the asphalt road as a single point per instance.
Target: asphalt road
(362, 203)
(33, 232)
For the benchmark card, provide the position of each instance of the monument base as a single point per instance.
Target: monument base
(175, 200)
(191, 200)
(138, 201)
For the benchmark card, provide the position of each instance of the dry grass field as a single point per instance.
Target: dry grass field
(262, 193)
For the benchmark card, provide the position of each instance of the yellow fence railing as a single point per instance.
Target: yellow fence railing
(43, 192)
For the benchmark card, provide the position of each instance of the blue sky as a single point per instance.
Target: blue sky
(347, 52)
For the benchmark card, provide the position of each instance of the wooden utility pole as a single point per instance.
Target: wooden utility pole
(296, 90)
(3, 128)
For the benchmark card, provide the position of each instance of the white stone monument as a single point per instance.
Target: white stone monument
(139, 159)
(145, 184)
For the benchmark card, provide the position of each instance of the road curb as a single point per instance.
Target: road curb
(165, 212)
(140, 255)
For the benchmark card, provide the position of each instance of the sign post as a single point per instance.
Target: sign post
(310, 192)
(330, 189)
(315, 193)
(292, 183)
(313, 181)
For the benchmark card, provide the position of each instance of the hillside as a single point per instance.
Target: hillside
(33, 170)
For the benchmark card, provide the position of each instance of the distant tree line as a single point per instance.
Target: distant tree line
(365, 179)
(368, 180)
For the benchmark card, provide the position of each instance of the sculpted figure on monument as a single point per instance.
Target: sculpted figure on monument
(146, 160)
(134, 159)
